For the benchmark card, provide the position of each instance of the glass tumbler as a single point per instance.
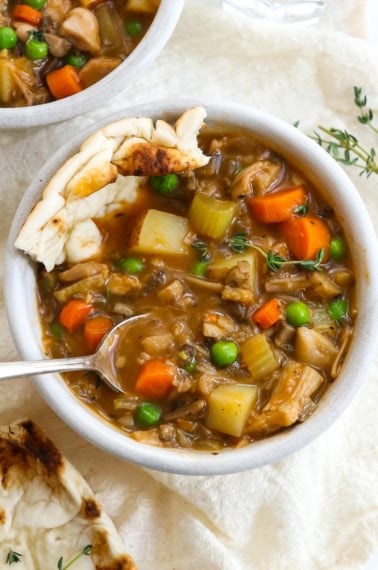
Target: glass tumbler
(279, 11)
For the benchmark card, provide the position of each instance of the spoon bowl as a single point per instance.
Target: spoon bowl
(101, 361)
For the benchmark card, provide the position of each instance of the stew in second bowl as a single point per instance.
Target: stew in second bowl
(51, 49)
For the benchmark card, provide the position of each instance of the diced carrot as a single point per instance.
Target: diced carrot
(155, 379)
(306, 236)
(277, 206)
(94, 331)
(268, 314)
(211, 318)
(27, 14)
(74, 314)
(64, 82)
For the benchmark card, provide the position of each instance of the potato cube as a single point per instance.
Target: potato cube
(160, 233)
(229, 406)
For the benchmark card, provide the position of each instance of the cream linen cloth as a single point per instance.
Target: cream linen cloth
(318, 509)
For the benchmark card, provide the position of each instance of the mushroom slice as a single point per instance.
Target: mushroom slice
(58, 47)
(81, 270)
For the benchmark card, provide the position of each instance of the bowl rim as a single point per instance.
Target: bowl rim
(120, 79)
(289, 141)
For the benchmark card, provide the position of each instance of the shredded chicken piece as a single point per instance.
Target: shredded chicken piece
(92, 283)
(120, 284)
(239, 275)
(150, 437)
(206, 384)
(167, 433)
(157, 344)
(217, 326)
(243, 295)
(172, 294)
(292, 394)
(256, 178)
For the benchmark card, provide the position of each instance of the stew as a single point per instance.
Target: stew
(51, 49)
(246, 271)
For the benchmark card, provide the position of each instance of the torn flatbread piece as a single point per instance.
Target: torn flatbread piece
(106, 174)
(47, 511)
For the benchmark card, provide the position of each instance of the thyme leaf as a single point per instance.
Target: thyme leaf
(84, 552)
(301, 210)
(203, 250)
(13, 557)
(344, 146)
(274, 261)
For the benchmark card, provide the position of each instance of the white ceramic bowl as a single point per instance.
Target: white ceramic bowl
(20, 300)
(121, 78)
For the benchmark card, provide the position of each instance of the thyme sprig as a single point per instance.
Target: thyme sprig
(345, 147)
(13, 557)
(85, 552)
(203, 250)
(274, 261)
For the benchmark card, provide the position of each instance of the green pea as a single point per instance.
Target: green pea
(131, 265)
(8, 37)
(297, 314)
(199, 268)
(56, 329)
(133, 28)
(164, 184)
(35, 49)
(148, 414)
(191, 366)
(337, 249)
(36, 4)
(224, 352)
(338, 309)
(76, 60)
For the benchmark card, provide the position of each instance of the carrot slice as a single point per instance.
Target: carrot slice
(277, 206)
(74, 314)
(64, 82)
(268, 314)
(27, 14)
(94, 331)
(306, 236)
(155, 379)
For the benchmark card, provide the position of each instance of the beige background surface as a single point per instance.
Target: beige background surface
(317, 510)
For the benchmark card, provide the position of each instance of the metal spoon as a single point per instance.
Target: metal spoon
(101, 361)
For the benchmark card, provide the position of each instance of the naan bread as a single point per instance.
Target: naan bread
(106, 174)
(47, 510)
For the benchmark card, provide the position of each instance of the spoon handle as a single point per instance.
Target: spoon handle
(29, 368)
